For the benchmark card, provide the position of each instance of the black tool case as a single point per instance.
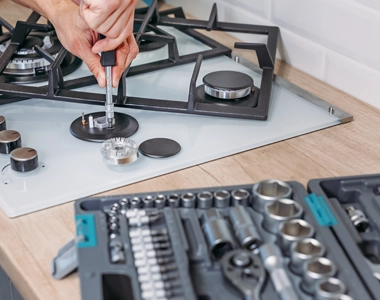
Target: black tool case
(182, 245)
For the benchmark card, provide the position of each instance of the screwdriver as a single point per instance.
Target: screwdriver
(108, 60)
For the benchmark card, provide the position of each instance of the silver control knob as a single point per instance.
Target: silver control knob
(9, 140)
(3, 125)
(24, 159)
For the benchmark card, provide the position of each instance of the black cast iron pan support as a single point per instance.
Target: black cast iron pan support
(266, 54)
(55, 72)
(19, 33)
(217, 49)
(6, 25)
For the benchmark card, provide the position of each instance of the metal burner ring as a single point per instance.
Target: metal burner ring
(119, 151)
(25, 63)
(26, 66)
(228, 84)
(227, 94)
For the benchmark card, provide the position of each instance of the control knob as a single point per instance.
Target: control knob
(3, 125)
(9, 140)
(24, 159)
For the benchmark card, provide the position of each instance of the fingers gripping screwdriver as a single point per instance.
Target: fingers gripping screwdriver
(108, 60)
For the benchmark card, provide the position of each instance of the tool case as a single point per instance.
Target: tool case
(267, 240)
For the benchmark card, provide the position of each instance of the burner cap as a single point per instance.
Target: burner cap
(32, 41)
(228, 84)
(159, 148)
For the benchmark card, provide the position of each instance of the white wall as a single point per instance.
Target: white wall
(337, 41)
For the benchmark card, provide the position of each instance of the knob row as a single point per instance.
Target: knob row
(23, 159)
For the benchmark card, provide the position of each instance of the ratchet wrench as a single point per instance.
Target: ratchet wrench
(245, 271)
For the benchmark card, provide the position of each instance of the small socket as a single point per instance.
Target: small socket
(329, 288)
(148, 201)
(222, 199)
(174, 200)
(316, 269)
(280, 211)
(293, 231)
(204, 200)
(304, 250)
(160, 201)
(240, 197)
(135, 202)
(188, 200)
(267, 191)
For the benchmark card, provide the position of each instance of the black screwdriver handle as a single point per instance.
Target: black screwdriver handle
(107, 59)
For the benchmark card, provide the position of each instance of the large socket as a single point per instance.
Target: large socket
(280, 211)
(217, 232)
(329, 288)
(316, 269)
(267, 191)
(293, 231)
(303, 251)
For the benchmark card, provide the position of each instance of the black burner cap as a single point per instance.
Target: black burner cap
(125, 126)
(159, 148)
(228, 80)
(32, 41)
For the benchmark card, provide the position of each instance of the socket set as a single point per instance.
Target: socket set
(269, 240)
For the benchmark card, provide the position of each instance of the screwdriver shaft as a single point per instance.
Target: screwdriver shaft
(109, 98)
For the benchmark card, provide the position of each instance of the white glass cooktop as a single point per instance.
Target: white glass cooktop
(70, 168)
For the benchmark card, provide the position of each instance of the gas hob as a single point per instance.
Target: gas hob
(70, 168)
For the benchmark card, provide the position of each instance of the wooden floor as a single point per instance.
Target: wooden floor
(28, 243)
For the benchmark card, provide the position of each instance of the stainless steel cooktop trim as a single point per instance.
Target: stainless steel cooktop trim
(343, 116)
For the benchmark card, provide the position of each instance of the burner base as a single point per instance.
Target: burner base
(248, 101)
(125, 126)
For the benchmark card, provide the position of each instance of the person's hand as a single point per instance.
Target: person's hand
(79, 39)
(112, 18)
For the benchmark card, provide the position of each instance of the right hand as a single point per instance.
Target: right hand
(112, 18)
(78, 38)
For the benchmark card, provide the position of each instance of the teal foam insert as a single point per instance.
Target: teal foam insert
(320, 210)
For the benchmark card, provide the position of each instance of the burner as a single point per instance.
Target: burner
(125, 126)
(228, 84)
(27, 66)
(228, 88)
(150, 45)
(146, 45)
(119, 151)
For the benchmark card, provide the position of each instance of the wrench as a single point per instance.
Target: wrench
(245, 271)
